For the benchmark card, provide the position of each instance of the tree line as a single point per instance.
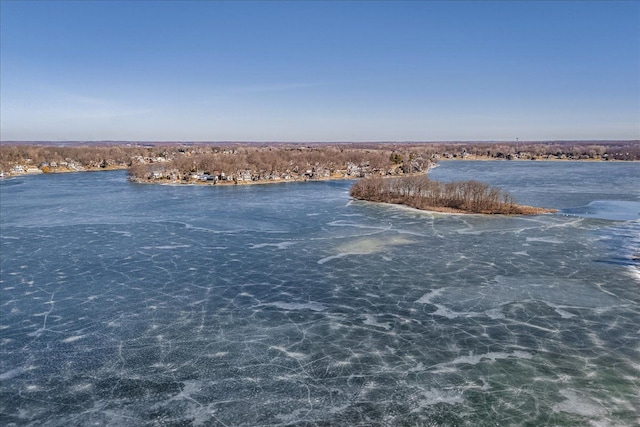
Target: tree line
(276, 157)
(266, 161)
(87, 156)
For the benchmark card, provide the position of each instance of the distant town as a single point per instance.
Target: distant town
(245, 163)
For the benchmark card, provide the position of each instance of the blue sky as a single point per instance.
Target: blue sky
(319, 71)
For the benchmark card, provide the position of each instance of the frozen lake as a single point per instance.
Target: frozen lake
(128, 304)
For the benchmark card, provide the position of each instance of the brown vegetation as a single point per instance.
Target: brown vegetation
(420, 192)
(174, 160)
(268, 163)
(561, 150)
(51, 158)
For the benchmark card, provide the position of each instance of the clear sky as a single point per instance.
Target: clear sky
(319, 71)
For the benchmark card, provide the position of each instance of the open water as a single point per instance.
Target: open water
(126, 304)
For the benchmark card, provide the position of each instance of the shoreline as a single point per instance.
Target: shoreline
(61, 171)
(436, 210)
(243, 182)
(473, 158)
(269, 181)
(258, 182)
(525, 210)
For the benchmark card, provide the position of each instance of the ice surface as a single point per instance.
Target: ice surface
(576, 404)
(127, 304)
(616, 210)
(365, 246)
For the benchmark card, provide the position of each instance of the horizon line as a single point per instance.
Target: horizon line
(452, 141)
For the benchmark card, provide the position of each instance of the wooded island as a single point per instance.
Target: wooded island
(422, 193)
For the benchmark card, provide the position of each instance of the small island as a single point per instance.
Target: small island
(422, 193)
